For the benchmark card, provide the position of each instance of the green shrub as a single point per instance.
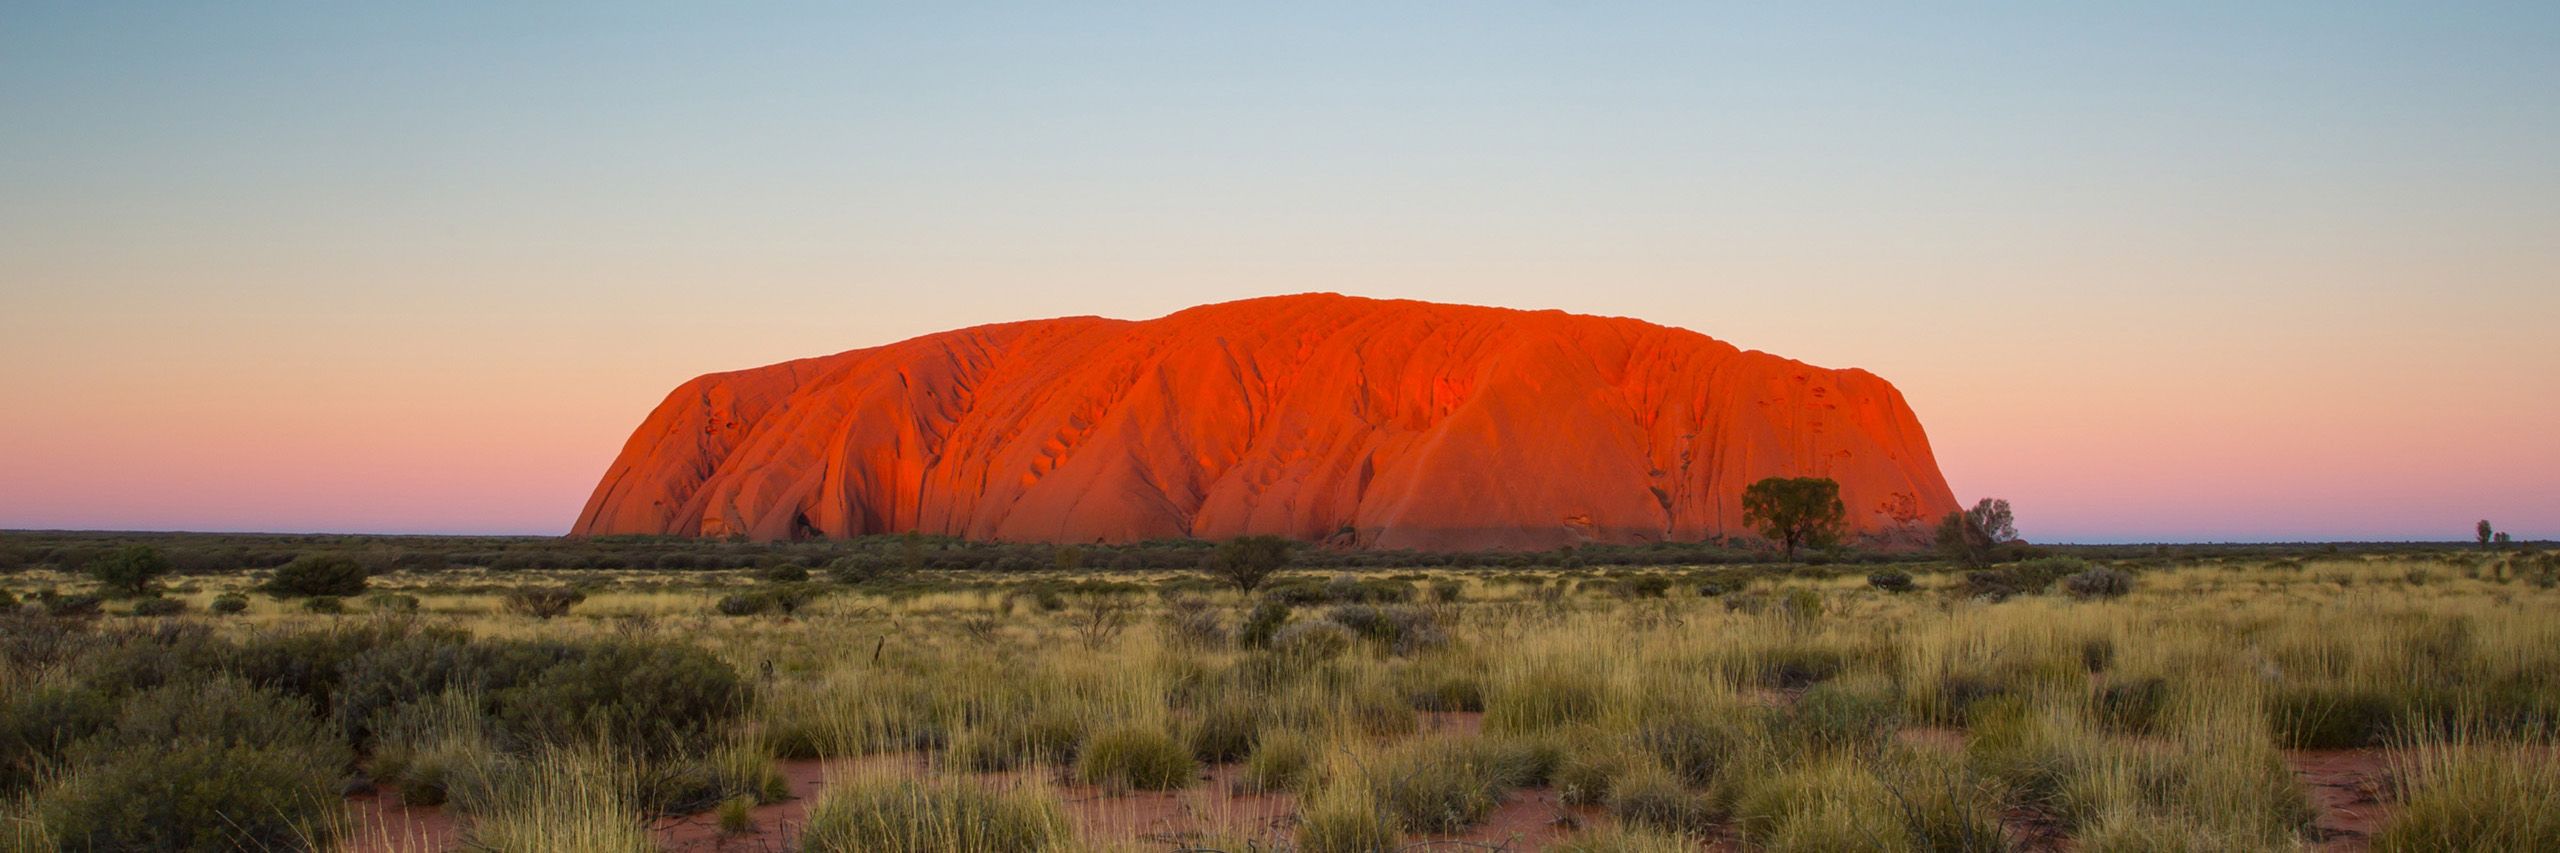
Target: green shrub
(229, 603)
(1304, 643)
(1341, 820)
(1543, 696)
(159, 607)
(1134, 757)
(1586, 776)
(2329, 717)
(73, 606)
(132, 571)
(216, 766)
(1842, 716)
(1265, 621)
(881, 815)
(543, 602)
(321, 575)
(649, 698)
(37, 725)
(2475, 797)
(1891, 580)
(2133, 705)
(2099, 583)
(1226, 730)
(1282, 760)
(324, 605)
(1445, 784)
(1652, 798)
(785, 573)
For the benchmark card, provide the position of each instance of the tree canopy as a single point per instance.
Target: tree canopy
(1795, 512)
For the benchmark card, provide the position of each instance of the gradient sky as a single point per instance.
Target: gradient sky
(2173, 271)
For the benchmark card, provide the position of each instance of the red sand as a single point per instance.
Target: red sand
(1359, 422)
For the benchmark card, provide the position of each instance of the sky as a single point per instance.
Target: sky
(2178, 271)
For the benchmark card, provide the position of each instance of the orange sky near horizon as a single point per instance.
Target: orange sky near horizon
(2184, 273)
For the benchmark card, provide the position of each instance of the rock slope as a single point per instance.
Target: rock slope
(1358, 422)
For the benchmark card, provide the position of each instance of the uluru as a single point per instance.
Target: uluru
(1350, 421)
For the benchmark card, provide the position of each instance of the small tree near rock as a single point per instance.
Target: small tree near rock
(1974, 536)
(1247, 561)
(1795, 512)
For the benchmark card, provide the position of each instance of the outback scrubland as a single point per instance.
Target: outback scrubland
(897, 693)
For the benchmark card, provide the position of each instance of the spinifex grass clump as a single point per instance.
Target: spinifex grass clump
(883, 814)
(2476, 796)
(1138, 757)
(1447, 783)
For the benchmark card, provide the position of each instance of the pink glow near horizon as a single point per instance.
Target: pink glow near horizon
(2167, 272)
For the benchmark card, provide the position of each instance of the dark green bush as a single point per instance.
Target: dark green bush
(1265, 621)
(2133, 705)
(543, 602)
(1835, 716)
(649, 698)
(2330, 717)
(785, 573)
(73, 606)
(131, 571)
(318, 575)
(216, 766)
(1890, 580)
(324, 604)
(229, 603)
(391, 602)
(156, 606)
(37, 725)
(2099, 583)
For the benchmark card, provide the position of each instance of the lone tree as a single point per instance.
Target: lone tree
(1247, 561)
(1973, 536)
(130, 572)
(1795, 511)
(2485, 532)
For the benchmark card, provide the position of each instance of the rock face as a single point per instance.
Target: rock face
(1359, 422)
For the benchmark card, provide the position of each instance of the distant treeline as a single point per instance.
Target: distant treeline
(213, 553)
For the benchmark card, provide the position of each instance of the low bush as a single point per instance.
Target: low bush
(895, 815)
(1262, 624)
(391, 602)
(1891, 580)
(1445, 784)
(1544, 695)
(229, 603)
(1282, 760)
(2099, 583)
(324, 605)
(217, 766)
(1303, 643)
(785, 573)
(1842, 716)
(159, 607)
(2474, 797)
(1652, 798)
(1135, 757)
(1226, 730)
(2308, 717)
(1343, 820)
(318, 575)
(543, 602)
(649, 698)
